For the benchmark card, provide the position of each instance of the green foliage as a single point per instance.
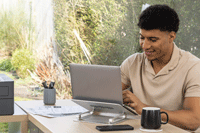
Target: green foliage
(4, 127)
(23, 60)
(188, 36)
(107, 27)
(6, 65)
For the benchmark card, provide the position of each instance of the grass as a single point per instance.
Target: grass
(22, 99)
(27, 81)
(18, 81)
(4, 127)
(9, 74)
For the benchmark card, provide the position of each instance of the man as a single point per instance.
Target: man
(163, 75)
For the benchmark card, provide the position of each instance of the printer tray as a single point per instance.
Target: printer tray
(6, 106)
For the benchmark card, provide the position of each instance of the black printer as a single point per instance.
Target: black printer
(6, 95)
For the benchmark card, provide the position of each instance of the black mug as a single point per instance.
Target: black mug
(151, 118)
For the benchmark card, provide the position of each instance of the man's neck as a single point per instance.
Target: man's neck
(157, 66)
(160, 63)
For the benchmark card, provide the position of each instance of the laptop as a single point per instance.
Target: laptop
(98, 87)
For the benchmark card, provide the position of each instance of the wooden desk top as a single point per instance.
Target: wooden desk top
(18, 116)
(68, 125)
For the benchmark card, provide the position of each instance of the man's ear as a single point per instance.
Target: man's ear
(172, 36)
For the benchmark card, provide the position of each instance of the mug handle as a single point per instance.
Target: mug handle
(167, 118)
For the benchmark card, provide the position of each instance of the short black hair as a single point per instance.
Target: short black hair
(160, 17)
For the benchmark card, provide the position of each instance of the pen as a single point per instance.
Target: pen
(51, 85)
(45, 84)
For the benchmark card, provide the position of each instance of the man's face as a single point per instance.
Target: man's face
(156, 44)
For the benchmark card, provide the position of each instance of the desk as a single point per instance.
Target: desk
(18, 116)
(67, 125)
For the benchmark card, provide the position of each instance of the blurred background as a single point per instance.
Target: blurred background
(39, 38)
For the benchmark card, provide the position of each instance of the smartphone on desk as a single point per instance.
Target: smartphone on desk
(114, 127)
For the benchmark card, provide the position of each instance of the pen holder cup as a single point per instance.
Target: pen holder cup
(49, 96)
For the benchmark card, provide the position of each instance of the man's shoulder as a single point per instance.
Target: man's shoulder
(131, 63)
(189, 58)
(134, 58)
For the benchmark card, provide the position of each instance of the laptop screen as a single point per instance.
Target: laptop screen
(96, 83)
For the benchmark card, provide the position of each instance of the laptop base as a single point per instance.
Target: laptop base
(101, 118)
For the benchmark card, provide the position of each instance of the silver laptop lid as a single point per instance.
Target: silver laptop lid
(96, 83)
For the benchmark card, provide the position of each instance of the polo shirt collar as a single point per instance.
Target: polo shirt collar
(175, 58)
(170, 65)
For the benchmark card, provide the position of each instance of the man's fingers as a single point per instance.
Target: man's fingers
(127, 100)
(126, 91)
(132, 105)
(125, 95)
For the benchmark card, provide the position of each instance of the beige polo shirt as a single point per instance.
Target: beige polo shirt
(167, 89)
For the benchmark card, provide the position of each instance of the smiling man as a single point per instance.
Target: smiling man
(163, 75)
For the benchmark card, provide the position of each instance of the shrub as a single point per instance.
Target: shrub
(105, 26)
(6, 65)
(22, 60)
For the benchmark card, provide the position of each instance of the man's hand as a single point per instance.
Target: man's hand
(131, 100)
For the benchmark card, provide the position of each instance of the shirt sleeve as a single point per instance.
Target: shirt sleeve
(125, 73)
(193, 82)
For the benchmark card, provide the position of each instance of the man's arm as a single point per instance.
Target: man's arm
(124, 86)
(187, 118)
